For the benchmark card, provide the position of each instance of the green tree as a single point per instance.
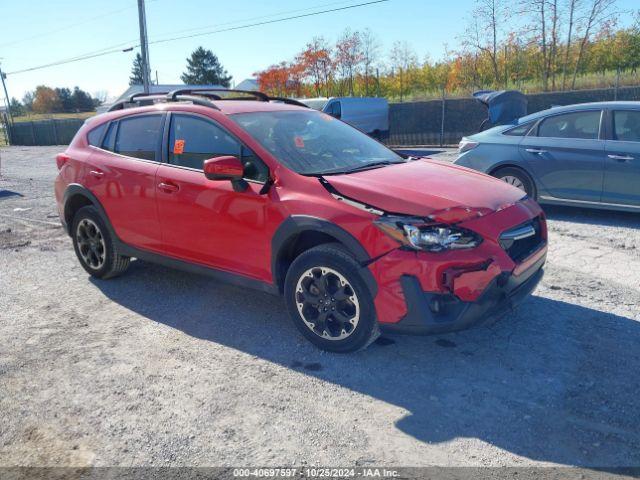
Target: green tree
(136, 71)
(17, 109)
(204, 68)
(82, 101)
(64, 94)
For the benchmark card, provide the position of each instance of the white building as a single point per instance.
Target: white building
(250, 84)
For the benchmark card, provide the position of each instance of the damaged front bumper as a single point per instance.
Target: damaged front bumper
(428, 313)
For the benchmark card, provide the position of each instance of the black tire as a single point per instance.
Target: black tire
(339, 266)
(96, 251)
(523, 177)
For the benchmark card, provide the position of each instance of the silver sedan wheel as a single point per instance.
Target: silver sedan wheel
(515, 181)
(91, 244)
(327, 303)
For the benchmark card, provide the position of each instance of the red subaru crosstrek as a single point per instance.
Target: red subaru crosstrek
(268, 194)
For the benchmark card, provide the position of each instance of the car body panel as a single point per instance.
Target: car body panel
(622, 173)
(565, 168)
(127, 192)
(422, 187)
(209, 223)
(574, 172)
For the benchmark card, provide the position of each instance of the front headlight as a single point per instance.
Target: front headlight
(419, 235)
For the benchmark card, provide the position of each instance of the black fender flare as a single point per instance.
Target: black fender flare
(294, 225)
(75, 189)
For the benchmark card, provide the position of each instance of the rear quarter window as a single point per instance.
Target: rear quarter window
(94, 137)
(519, 131)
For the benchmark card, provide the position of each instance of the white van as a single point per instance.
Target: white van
(368, 114)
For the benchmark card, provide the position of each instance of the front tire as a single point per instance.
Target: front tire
(94, 246)
(518, 178)
(329, 301)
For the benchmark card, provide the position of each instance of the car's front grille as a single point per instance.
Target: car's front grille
(523, 240)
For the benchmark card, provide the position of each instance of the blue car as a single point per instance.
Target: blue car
(584, 155)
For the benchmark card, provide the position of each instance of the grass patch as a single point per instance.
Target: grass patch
(34, 117)
(588, 81)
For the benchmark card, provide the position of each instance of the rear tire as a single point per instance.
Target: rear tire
(94, 246)
(329, 301)
(518, 178)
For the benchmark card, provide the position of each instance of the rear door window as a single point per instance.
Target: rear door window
(139, 137)
(582, 125)
(626, 125)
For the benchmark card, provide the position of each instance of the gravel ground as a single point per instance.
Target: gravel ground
(160, 367)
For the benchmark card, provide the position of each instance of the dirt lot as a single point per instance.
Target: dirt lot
(160, 367)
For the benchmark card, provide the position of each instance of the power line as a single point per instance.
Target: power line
(70, 60)
(267, 22)
(113, 49)
(250, 19)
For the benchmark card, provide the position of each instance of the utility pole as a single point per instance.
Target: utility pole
(144, 46)
(6, 95)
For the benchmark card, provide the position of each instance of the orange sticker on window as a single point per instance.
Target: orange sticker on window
(299, 142)
(178, 147)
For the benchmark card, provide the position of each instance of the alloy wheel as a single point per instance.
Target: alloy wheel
(91, 244)
(327, 303)
(515, 181)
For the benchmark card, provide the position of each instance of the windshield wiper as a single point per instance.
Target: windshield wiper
(360, 168)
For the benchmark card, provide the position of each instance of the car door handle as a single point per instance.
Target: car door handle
(535, 150)
(620, 158)
(96, 173)
(168, 187)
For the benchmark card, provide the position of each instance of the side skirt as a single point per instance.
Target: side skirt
(221, 275)
(548, 199)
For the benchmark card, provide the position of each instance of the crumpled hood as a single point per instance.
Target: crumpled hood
(427, 188)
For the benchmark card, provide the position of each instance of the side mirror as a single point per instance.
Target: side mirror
(223, 168)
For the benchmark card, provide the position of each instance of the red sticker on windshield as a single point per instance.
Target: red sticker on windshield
(299, 142)
(178, 147)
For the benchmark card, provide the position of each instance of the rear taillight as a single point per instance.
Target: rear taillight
(61, 159)
(465, 145)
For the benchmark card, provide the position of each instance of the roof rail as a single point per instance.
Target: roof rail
(196, 100)
(201, 91)
(131, 98)
(198, 96)
(148, 97)
(289, 101)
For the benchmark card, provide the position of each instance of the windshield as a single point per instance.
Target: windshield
(312, 143)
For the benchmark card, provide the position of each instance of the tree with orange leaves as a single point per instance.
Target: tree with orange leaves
(317, 65)
(348, 59)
